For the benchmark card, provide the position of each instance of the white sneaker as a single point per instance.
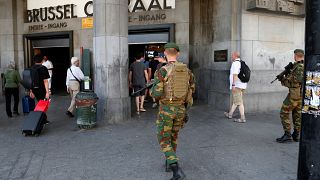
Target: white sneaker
(154, 105)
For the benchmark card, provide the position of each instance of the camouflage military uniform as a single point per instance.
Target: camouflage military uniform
(293, 101)
(171, 113)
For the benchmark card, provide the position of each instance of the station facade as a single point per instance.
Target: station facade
(265, 32)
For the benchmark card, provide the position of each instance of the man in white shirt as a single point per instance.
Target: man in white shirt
(237, 88)
(74, 76)
(48, 64)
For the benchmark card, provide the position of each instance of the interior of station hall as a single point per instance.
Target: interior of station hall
(106, 35)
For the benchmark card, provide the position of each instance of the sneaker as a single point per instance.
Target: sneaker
(16, 113)
(240, 120)
(69, 114)
(227, 115)
(154, 105)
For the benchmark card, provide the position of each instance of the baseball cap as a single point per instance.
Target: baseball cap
(298, 51)
(171, 45)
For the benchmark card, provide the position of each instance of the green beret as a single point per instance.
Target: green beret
(298, 51)
(171, 45)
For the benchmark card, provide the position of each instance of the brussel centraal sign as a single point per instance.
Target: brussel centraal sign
(44, 10)
(149, 5)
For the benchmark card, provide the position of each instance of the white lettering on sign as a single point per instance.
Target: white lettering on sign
(150, 5)
(81, 8)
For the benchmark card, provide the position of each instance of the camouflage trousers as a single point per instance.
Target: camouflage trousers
(288, 106)
(169, 122)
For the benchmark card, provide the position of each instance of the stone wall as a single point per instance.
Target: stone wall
(214, 27)
(265, 37)
(267, 43)
(11, 48)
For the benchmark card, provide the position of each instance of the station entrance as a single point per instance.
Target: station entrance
(59, 50)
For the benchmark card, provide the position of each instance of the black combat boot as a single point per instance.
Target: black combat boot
(177, 172)
(296, 136)
(285, 138)
(168, 169)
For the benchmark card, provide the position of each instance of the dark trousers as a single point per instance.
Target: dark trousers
(15, 93)
(40, 94)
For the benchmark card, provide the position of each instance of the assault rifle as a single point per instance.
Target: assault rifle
(148, 85)
(283, 73)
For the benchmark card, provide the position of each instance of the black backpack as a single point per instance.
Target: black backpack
(30, 78)
(245, 72)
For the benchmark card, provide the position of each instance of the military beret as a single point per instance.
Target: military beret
(171, 45)
(298, 51)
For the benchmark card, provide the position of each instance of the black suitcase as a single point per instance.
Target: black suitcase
(33, 123)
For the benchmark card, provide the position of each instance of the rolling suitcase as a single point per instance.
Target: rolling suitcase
(28, 104)
(33, 123)
(43, 105)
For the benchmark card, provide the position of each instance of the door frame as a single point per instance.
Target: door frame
(137, 29)
(28, 38)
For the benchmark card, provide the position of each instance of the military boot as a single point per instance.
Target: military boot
(285, 138)
(177, 172)
(168, 169)
(296, 136)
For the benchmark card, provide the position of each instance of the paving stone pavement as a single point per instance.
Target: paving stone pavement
(210, 148)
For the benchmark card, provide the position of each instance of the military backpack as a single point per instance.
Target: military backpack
(176, 86)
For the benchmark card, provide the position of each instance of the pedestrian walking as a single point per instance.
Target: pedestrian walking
(73, 80)
(12, 80)
(174, 85)
(41, 92)
(138, 77)
(237, 88)
(293, 101)
(48, 64)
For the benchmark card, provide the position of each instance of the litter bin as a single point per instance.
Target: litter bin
(86, 109)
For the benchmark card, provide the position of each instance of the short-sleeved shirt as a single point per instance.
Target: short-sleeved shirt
(235, 69)
(146, 63)
(138, 76)
(49, 66)
(153, 65)
(43, 74)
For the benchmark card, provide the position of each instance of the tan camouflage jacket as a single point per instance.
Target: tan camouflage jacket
(158, 89)
(294, 80)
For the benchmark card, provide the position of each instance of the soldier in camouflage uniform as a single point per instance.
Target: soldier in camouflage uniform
(293, 101)
(174, 85)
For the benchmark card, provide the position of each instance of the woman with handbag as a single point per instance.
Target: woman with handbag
(73, 80)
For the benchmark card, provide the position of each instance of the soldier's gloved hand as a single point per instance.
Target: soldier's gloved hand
(186, 119)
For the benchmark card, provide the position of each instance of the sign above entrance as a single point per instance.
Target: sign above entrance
(150, 5)
(40, 10)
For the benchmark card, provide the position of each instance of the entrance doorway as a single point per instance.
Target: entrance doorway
(58, 47)
(60, 58)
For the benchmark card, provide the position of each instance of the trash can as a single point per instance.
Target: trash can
(86, 109)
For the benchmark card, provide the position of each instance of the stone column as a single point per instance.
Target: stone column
(111, 60)
(11, 20)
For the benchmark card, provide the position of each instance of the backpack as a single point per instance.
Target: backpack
(30, 78)
(245, 72)
(177, 82)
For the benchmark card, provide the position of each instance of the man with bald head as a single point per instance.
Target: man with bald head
(237, 88)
